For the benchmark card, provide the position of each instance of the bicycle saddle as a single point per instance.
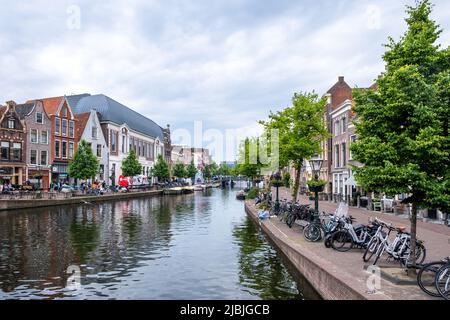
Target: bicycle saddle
(401, 229)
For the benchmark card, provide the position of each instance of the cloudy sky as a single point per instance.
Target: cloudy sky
(226, 63)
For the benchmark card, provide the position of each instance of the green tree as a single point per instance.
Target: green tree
(224, 170)
(179, 170)
(161, 169)
(207, 172)
(131, 166)
(85, 164)
(403, 139)
(301, 130)
(191, 171)
(249, 163)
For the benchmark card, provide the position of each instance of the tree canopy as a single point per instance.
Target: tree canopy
(85, 164)
(301, 130)
(179, 170)
(130, 165)
(403, 139)
(161, 169)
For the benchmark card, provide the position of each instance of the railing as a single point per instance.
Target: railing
(55, 195)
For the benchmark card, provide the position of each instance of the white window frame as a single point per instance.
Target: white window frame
(58, 133)
(37, 136)
(66, 148)
(37, 159)
(71, 150)
(41, 141)
(46, 158)
(101, 150)
(36, 118)
(62, 127)
(58, 155)
(71, 132)
(13, 122)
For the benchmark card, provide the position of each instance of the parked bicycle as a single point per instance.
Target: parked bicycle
(353, 236)
(426, 277)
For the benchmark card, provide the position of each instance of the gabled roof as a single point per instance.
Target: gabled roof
(82, 120)
(113, 111)
(51, 105)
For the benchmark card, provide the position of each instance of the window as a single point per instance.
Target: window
(99, 150)
(33, 136)
(131, 139)
(94, 132)
(44, 137)
(336, 160)
(124, 141)
(64, 127)
(352, 140)
(17, 151)
(57, 149)
(64, 149)
(113, 141)
(344, 154)
(70, 149)
(11, 124)
(39, 118)
(71, 129)
(5, 151)
(33, 157)
(58, 126)
(344, 124)
(65, 112)
(152, 151)
(336, 128)
(43, 158)
(145, 150)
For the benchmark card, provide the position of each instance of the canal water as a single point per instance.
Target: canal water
(199, 246)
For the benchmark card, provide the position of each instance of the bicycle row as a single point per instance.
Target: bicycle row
(378, 239)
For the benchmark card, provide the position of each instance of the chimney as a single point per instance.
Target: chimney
(341, 79)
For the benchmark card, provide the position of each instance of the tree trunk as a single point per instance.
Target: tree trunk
(413, 236)
(296, 183)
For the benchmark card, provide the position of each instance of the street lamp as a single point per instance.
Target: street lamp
(277, 184)
(316, 166)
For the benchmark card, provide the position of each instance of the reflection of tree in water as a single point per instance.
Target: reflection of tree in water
(261, 270)
(132, 223)
(84, 234)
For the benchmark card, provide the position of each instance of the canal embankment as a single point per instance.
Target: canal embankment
(334, 275)
(23, 203)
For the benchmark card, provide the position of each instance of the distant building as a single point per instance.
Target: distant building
(229, 164)
(185, 154)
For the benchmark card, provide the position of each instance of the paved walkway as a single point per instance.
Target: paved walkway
(349, 266)
(436, 236)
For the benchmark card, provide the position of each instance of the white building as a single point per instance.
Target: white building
(124, 129)
(89, 129)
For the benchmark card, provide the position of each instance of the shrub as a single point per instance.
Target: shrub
(253, 193)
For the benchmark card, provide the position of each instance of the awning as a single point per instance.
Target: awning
(351, 182)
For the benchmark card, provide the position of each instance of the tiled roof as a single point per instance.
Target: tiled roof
(111, 110)
(74, 99)
(24, 109)
(51, 104)
(82, 119)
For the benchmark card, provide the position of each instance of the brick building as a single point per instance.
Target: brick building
(12, 145)
(38, 127)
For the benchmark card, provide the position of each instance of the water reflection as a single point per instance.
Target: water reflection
(198, 246)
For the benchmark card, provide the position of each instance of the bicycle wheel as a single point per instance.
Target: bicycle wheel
(342, 241)
(426, 278)
(371, 249)
(442, 281)
(312, 233)
(328, 241)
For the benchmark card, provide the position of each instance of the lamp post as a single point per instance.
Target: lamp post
(277, 183)
(316, 165)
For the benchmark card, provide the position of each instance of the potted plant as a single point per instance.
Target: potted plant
(316, 185)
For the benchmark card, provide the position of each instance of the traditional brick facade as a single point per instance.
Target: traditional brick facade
(12, 146)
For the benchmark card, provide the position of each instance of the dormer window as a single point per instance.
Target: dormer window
(65, 112)
(11, 124)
